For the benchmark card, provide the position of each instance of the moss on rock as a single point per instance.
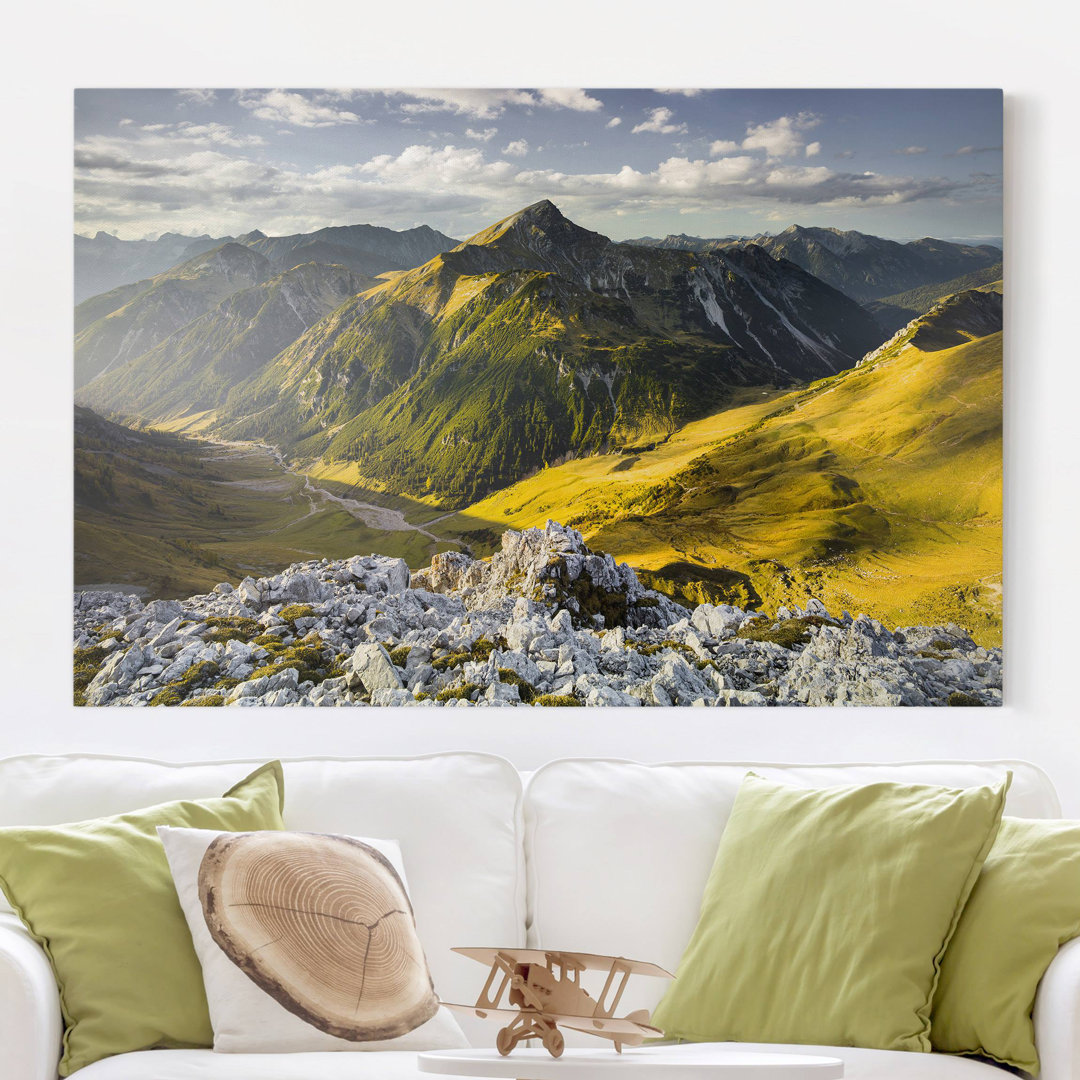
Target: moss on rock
(451, 693)
(526, 690)
(196, 677)
(87, 663)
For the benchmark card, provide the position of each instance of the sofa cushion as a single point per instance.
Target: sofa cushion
(457, 818)
(653, 832)
(98, 897)
(392, 1065)
(307, 943)
(827, 912)
(1025, 905)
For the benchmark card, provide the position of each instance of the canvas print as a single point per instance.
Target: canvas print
(530, 397)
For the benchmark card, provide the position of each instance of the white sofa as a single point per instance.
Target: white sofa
(604, 856)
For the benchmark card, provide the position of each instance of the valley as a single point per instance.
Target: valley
(166, 516)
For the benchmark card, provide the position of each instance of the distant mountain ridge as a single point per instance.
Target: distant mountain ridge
(104, 262)
(145, 316)
(197, 366)
(862, 266)
(685, 242)
(367, 249)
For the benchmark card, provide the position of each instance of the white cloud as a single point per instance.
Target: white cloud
(137, 182)
(518, 148)
(160, 141)
(424, 167)
(813, 149)
(723, 146)
(685, 91)
(660, 122)
(964, 151)
(125, 122)
(488, 104)
(197, 97)
(846, 154)
(215, 134)
(570, 98)
(615, 121)
(481, 136)
(289, 107)
(911, 150)
(781, 137)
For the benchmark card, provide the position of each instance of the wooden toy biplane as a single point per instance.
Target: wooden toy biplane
(544, 992)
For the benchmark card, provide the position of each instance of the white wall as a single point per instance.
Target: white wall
(556, 43)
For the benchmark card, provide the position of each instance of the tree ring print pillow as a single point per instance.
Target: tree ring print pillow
(307, 942)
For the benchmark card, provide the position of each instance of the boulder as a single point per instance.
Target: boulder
(371, 668)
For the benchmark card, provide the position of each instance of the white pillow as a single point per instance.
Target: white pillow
(289, 926)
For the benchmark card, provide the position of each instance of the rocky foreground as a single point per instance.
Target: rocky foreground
(544, 622)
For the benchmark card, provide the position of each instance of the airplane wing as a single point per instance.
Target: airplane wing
(589, 961)
(608, 1026)
(588, 1024)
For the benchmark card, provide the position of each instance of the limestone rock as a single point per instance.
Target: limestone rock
(371, 668)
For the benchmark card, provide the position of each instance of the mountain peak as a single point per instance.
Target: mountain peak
(539, 227)
(542, 208)
(543, 214)
(251, 237)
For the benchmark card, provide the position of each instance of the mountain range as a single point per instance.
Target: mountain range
(530, 342)
(864, 267)
(720, 415)
(198, 365)
(104, 262)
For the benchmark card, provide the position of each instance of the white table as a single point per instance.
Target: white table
(688, 1061)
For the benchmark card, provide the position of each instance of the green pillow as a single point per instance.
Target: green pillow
(98, 896)
(827, 912)
(1025, 905)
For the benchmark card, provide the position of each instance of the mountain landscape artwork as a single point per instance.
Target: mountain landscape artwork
(538, 398)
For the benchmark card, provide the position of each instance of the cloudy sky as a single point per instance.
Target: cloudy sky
(897, 163)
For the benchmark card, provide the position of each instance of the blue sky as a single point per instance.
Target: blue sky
(897, 163)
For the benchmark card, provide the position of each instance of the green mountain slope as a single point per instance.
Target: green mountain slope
(166, 303)
(876, 490)
(196, 367)
(536, 340)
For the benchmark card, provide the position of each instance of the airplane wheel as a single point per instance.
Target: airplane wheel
(554, 1043)
(504, 1041)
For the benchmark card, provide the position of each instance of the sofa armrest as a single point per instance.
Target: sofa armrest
(1057, 1016)
(31, 1027)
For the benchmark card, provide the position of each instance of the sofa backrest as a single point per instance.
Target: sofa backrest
(457, 817)
(600, 856)
(618, 852)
